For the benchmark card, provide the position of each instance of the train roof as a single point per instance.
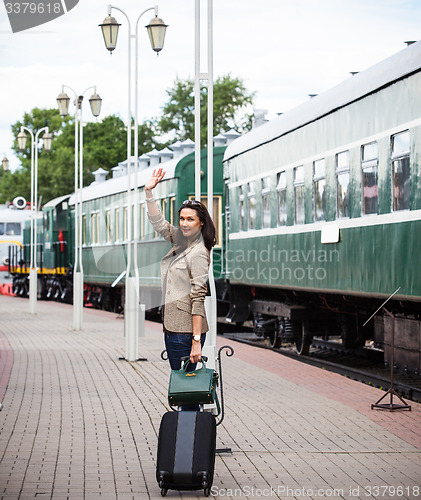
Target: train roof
(392, 69)
(10, 214)
(56, 201)
(172, 168)
(119, 184)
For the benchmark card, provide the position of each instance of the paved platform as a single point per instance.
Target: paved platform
(78, 423)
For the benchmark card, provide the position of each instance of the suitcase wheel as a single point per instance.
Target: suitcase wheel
(206, 488)
(161, 484)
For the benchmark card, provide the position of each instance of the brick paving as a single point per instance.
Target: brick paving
(78, 423)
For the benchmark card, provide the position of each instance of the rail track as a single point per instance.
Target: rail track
(364, 365)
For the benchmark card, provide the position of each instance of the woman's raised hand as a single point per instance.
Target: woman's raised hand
(157, 176)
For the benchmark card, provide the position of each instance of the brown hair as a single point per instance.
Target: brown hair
(208, 228)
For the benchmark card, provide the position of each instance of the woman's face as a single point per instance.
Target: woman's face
(190, 223)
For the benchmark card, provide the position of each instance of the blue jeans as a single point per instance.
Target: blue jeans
(178, 345)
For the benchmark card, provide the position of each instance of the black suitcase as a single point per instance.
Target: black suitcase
(186, 451)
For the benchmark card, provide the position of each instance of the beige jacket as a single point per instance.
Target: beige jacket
(184, 274)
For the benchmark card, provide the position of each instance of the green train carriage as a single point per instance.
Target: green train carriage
(54, 253)
(325, 218)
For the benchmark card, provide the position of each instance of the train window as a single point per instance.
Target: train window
(108, 223)
(83, 229)
(135, 232)
(251, 205)
(242, 211)
(1, 228)
(217, 219)
(94, 228)
(342, 184)
(13, 229)
(369, 166)
(401, 171)
(281, 189)
(227, 208)
(266, 202)
(164, 207)
(98, 216)
(216, 216)
(173, 210)
(125, 225)
(142, 220)
(299, 214)
(319, 185)
(117, 223)
(134, 228)
(97, 227)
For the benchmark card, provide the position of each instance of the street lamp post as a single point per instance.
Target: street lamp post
(156, 30)
(5, 164)
(210, 302)
(63, 101)
(33, 272)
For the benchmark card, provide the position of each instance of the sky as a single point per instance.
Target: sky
(283, 50)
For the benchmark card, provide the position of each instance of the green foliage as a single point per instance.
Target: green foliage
(19, 182)
(230, 99)
(148, 133)
(105, 141)
(178, 112)
(11, 185)
(104, 145)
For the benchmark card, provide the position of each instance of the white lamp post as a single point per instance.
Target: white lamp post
(156, 29)
(63, 101)
(33, 271)
(5, 164)
(210, 302)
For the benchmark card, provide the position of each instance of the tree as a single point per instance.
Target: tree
(19, 182)
(230, 99)
(104, 145)
(105, 141)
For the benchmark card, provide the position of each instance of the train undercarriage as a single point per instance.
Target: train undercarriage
(60, 288)
(291, 316)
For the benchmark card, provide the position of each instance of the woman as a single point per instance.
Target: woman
(184, 274)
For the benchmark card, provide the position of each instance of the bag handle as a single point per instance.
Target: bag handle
(185, 358)
(187, 361)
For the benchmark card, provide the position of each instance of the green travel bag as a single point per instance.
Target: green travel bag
(197, 387)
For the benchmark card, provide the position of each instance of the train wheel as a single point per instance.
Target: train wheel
(303, 338)
(274, 338)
